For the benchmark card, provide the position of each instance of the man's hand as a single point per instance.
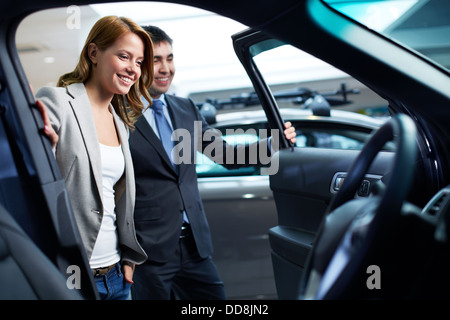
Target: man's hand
(289, 132)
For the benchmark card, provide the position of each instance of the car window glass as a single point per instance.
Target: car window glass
(423, 25)
(208, 168)
(347, 113)
(331, 139)
(296, 77)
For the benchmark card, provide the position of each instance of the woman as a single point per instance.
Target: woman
(87, 118)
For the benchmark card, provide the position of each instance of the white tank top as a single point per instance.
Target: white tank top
(106, 248)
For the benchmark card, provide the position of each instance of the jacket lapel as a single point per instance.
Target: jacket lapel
(177, 121)
(81, 107)
(147, 132)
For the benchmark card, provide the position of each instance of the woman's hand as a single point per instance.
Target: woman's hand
(128, 270)
(48, 129)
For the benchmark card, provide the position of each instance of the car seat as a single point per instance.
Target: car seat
(25, 271)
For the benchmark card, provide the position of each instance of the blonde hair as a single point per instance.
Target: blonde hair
(104, 33)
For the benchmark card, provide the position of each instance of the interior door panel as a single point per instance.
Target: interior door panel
(303, 188)
(305, 182)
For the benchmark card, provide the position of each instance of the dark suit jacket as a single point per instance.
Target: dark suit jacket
(161, 193)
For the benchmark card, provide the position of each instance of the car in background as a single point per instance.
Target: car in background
(239, 203)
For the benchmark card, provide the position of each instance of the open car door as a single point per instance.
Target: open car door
(38, 234)
(307, 178)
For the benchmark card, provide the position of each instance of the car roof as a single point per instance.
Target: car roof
(291, 114)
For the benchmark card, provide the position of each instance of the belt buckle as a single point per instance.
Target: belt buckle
(102, 271)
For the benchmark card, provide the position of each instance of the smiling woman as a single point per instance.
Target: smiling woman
(89, 114)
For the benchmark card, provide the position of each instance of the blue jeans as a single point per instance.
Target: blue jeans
(113, 285)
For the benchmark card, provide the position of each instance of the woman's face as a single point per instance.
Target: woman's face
(118, 67)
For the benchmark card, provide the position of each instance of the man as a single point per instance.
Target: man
(170, 221)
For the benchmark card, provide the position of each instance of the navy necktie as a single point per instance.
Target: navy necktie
(165, 132)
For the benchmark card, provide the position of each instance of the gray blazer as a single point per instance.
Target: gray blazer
(78, 156)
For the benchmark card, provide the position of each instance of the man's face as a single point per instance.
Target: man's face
(164, 68)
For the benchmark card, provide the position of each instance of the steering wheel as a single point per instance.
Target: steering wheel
(352, 227)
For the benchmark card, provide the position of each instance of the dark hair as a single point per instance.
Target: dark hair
(157, 34)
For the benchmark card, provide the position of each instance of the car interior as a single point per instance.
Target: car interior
(342, 214)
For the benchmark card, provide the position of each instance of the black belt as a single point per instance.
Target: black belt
(185, 230)
(102, 271)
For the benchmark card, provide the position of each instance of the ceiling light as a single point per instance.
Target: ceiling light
(49, 59)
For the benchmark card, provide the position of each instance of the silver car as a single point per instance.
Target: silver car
(239, 203)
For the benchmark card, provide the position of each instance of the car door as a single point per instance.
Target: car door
(306, 179)
(33, 197)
